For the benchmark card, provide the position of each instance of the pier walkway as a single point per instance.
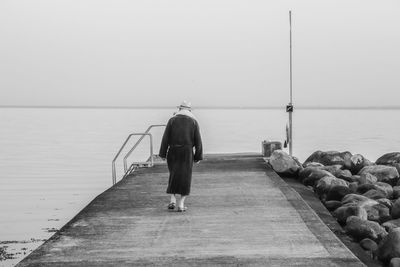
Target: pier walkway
(240, 213)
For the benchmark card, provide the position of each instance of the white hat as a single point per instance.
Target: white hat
(185, 105)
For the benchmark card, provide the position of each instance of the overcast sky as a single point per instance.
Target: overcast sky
(210, 52)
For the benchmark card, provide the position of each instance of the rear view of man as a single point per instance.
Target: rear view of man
(181, 135)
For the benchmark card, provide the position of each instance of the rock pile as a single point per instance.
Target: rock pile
(363, 196)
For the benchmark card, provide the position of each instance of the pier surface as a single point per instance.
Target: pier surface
(240, 213)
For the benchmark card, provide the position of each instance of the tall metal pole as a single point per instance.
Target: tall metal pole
(289, 107)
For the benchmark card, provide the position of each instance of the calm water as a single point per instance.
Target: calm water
(54, 161)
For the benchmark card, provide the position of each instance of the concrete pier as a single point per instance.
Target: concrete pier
(240, 213)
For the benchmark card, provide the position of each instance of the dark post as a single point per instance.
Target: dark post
(289, 107)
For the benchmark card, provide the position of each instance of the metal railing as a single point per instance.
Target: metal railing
(138, 142)
(148, 163)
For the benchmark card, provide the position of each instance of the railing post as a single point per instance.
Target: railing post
(137, 143)
(151, 150)
(114, 177)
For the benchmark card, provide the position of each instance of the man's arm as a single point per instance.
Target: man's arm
(198, 146)
(165, 142)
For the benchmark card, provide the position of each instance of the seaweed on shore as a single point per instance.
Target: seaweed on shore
(32, 240)
(4, 255)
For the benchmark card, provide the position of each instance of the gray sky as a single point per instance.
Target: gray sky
(211, 52)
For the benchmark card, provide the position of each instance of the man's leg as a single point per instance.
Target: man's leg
(181, 203)
(173, 198)
(172, 202)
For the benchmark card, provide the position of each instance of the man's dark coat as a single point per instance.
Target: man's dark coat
(181, 135)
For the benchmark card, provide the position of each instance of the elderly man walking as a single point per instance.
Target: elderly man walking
(181, 136)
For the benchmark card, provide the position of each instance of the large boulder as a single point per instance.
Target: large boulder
(359, 229)
(336, 171)
(374, 194)
(345, 175)
(386, 188)
(353, 187)
(391, 224)
(378, 213)
(356, 162)
(363, 188)
(332, 168)
(337, 192)
(329, 157)
(358, 199)
(392, 159)
(342, 213)
(387, 174)
(367, 178)
(326, 183)
(394, 262)
(396, 192)
(313, 164)
(396, 209)
(368, 244)
(315, 175)
(354, 179)
(390, 246)
(305, 172)
(283, 163)
(385, 202)
(332, 205)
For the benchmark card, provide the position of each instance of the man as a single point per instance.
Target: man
(181, 135)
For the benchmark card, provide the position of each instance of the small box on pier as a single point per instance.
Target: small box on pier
(270, 146)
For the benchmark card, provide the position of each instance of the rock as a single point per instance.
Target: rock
(378, 213)
(365, 208)
(386, 188)
(304, 173)
(368, 244)
(367, 178)
(356, 163)
(329, 157)
(326, 183)
(354, 198)
(353, 187)
(387, 174)
(374, 194)
(386, 202)
(283, 163)
(389, 248)
(359, 229)
(313, 164)
(389, 158)
(391, 224)
(345, 211)
(337, 192)
(332, 204)
(345, 175)
(394, 262)
(315, 175)
(392, 159)
(363, 188)
(353, 179)
(356, 178)
(396, 192)
(396, 209)
(298, 163)
(332, 168)
(316, 155)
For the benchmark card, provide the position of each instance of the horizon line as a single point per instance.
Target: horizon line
(200, 107)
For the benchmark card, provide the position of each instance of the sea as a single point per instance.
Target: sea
(54, 161)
